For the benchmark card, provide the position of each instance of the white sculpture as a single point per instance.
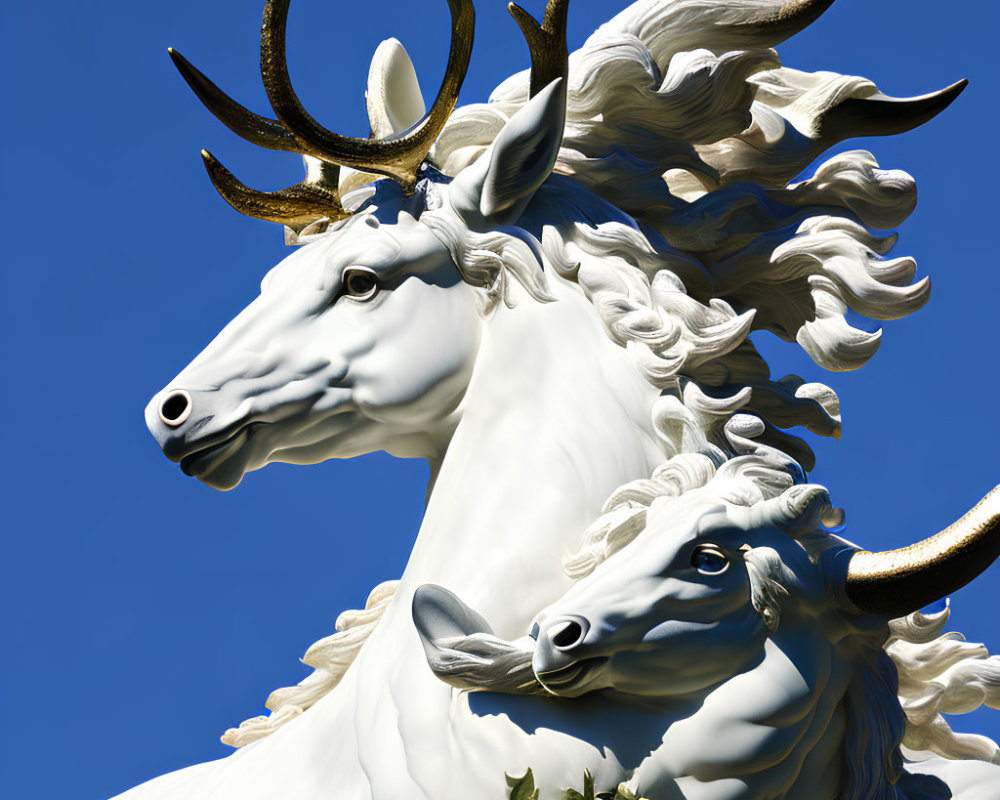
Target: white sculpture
(548, 298)
(715, 599)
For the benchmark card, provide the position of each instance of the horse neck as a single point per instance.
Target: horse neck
(778, 729)
(556, 418)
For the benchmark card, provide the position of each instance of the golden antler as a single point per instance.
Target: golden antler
(244, 123)
(397, 156)
(296, 206)
(547, 42)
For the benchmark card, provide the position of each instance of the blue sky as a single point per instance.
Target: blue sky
(142, 613)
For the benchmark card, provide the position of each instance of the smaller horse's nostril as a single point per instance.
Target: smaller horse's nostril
(175, 408)
(568, 633)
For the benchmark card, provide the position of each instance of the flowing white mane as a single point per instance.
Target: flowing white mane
(699, 146)
(688, 132)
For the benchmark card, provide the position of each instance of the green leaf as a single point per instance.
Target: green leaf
(522, 788)
(588, 789)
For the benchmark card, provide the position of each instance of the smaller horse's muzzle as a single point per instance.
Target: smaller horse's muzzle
(567, 633)
(558, 641)
(564, 662)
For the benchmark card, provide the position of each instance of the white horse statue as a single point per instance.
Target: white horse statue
(718, 601)
(546, 296)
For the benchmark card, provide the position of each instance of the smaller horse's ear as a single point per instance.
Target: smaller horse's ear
(495, 190)
(439, 614)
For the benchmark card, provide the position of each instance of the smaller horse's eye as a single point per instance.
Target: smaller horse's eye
(359, 283)
(709, 560)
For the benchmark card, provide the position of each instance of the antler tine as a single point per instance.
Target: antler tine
(296, 206)
(547, 42)
(398, 156)
(241, 121)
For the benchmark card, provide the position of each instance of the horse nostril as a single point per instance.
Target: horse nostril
(568, 633)
(175, 408)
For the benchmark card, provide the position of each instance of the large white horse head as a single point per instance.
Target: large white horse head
(366, 337)
(362, 340)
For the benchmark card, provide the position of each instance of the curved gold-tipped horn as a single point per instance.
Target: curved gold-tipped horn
(786, 20)
(896, 582)
(398, 156)
(296, 206)
(241, 121)
(547, 42)
(881, 115)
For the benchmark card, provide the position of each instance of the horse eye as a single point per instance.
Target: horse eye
(361, 284)
(709, 560)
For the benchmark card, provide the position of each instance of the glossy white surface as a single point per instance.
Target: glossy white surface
(541, 348)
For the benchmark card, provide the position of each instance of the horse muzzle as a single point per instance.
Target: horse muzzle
(560, 661)
(186, 427)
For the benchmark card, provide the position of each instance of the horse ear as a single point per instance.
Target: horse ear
(439, 614)
(394, 101)
(495, 190)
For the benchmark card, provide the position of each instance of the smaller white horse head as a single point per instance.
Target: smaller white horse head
(683, 607)
(742, 622)
(691, 600)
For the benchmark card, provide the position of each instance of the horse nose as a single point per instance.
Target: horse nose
(175, 408)
(568, 633)
(559, 643)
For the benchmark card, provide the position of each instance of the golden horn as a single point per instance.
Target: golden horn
(399, 156)
(896, 582)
